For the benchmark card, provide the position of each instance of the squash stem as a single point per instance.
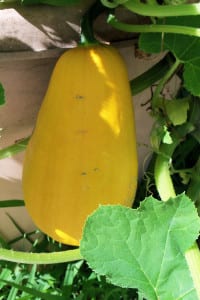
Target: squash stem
(87, 32)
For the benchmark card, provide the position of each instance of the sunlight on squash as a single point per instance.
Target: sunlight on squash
(63, 236)
(110, 113)
(110, 110)
(82, 152)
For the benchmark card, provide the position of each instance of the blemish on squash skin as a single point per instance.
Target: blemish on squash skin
(95, 170)
(81, 131)
(83, 173)
(79, 97)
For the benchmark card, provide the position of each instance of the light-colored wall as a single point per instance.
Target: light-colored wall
(25, 77)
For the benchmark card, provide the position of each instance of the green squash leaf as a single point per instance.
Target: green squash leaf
(159, 133)
(144, 248)
(191, 76)
(177, 110)
(184, 47)
(167, 139)
(194, 118)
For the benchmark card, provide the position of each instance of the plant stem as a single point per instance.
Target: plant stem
(40, 258)
(149, 77)
(14, 149)
(162, 82)
(166, 190)
(193, 190)
(87, 34)
(176, 29)
(9, 2)
(11, 203)
(162, 175)
(163, 10)
(192, 256)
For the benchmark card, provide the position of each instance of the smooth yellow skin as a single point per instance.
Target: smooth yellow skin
(83, 149)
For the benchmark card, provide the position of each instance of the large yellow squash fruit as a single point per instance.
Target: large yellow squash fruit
(83, 149)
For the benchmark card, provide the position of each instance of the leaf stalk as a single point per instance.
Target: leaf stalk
(192, 256)
(40, 258)
(14, 149)
(149, 77)
(176, 29)
(162, 82)
(154, 10)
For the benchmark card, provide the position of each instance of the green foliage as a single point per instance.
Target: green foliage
(194, 118)
(53, 281)
(185, 49)
(144, 248)
(2, 94)
(148, 78)
(50, 2)
(11, 203)
(177, 110)
(56, 282)
(175, 2)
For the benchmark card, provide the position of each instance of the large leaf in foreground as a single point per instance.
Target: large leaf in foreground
(144, 248)
(184, 47)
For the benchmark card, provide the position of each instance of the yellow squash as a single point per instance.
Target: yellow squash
(83, 149)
